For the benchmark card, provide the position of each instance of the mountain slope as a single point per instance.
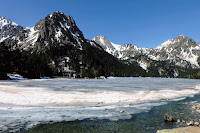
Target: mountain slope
(56, 46)
(119, 51)
(56, 43)
(8, 28)
(179, 52)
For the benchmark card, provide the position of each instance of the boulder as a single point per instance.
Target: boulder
(198, 110)
(183, 121)
(196, 123)
(169, 118)
(194, 107)
(191, 123)
(122, 111)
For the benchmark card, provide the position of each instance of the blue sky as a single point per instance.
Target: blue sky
(145, 23)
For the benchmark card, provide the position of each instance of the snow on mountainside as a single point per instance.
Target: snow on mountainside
(8, 28)
(182, 50)
(4, 22)
(107, 45)
(56, 29)
(60, 44)
(165, 44)
(120, 51)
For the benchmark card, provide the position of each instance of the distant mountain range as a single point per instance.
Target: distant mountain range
(68, 53)
(182, 50)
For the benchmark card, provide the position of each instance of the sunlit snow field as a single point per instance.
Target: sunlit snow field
(25, 103)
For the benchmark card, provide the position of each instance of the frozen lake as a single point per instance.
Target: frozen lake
(25, 103)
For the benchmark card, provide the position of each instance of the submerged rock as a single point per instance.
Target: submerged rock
(169, 118)
(122, 111)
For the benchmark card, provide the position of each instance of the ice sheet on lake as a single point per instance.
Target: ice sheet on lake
(30, 102)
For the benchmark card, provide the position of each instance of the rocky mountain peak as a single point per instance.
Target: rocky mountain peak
(54, 30)
(107, 45)
(182, 50)
(181, 38)
(58, 22)
(103, 42)
(100, 37)
(179, 42)
(4, 22)
(1, 18)
(60, 17)
(8, 28)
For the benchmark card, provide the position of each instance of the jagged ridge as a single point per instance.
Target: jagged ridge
(182, 50)
(57, 40)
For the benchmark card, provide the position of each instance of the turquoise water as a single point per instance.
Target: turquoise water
(145, 122)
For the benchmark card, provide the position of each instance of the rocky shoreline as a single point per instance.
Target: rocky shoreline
(191, 127)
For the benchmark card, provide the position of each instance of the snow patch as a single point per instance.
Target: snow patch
(32, 37)
(58, 34)
(165, 44)
(4, 22)
(189, 57)
(116, 46)
(4, 38)
(143, 64)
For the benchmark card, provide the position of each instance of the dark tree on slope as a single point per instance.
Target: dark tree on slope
(29, 65)
(5, 64)
(35, 65)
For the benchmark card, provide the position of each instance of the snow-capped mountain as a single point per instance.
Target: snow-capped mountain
(8, 28)
(123, 52)
(120, 51)
(61, 44)
(183, 51)
(55, 29)
(108, 46)
(67, 52)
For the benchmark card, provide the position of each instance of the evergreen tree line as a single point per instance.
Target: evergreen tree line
(88, 61)
(30, 65)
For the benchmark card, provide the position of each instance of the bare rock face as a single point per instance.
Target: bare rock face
(169, 118)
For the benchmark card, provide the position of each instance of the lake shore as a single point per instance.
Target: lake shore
(127, 101)
(181, 130)
(144, 122)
